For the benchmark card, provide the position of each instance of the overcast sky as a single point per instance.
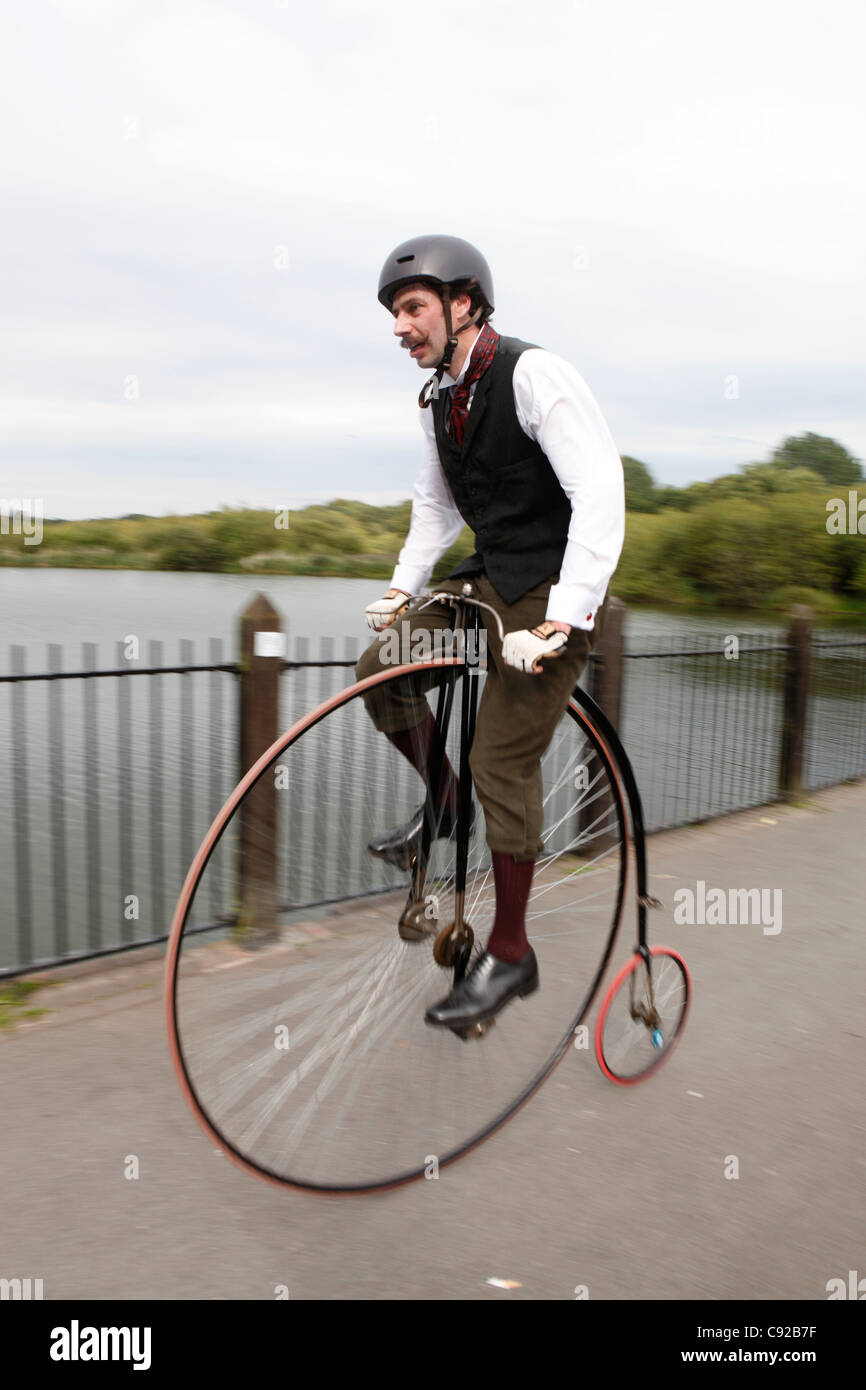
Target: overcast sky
(197, 199)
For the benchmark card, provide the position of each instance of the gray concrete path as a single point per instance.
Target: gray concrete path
(623, 1191)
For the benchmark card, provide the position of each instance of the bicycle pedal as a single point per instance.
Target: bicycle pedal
(475, 1030)
(416, 923)
(450, 940)
(398, 861)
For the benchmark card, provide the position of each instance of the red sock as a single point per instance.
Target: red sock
(416, 744)
(508, 941)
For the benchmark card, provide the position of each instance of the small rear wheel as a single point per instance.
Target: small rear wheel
(642, 1015)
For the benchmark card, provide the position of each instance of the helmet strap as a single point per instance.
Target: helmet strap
(430, 389)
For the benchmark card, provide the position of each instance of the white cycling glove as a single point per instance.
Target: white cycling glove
(382, 613)
(524, 649)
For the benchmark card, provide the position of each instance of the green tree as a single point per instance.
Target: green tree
(240, 533)
(732, 553)
(674, 497)
(827, 457)
(188, 545)
(649, 567)
(761, 479)
(858, 579)
(640, 488)
(325, 532)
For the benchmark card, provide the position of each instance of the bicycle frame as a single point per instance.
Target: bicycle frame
(468, 712)
(635, 807)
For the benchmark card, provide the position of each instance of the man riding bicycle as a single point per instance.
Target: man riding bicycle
(516, 447)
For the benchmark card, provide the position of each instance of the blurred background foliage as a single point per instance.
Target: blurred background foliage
(754, 539)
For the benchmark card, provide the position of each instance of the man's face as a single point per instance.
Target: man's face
(419, 322)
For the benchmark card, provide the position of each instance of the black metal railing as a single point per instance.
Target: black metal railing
(116, 771)
(836, 726)
(702, 724)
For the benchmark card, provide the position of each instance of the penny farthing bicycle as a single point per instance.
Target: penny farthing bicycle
(299, 967)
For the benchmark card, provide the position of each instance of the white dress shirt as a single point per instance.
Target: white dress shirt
(556, 409)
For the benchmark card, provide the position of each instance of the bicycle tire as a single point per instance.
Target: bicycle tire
(620, 1036)
(600, 892)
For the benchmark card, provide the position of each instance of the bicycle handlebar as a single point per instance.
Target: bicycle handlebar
(456, 600)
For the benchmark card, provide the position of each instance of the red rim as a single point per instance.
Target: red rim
(620, 979)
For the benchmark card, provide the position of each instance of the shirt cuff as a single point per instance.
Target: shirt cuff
(410, 579)
(567, 603)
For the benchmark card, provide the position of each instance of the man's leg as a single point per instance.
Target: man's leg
(416, 745)
(400, 711)
(517, 719)
(520, 719)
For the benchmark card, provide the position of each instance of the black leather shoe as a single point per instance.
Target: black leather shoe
(400, 846)
(489, 986)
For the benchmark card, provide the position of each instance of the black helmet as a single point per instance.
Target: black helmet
(442, 261)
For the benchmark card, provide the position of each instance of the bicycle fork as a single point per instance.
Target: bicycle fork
(453, 945)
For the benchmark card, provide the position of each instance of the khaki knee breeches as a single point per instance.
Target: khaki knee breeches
(518, 712)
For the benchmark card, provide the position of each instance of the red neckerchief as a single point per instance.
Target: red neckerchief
(482, 356)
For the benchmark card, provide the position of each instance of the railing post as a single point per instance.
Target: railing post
(606, 669)
(798, 662)
(22, 829)
(262, 650)
(605, 687)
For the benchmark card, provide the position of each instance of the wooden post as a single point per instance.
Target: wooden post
(262, 650)
(605, 687)
(606, 669)
(798, 664)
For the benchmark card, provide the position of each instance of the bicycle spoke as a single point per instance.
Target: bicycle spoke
(633, 1039)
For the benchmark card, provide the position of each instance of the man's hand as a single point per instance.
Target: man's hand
(382, 613)
(525, 650)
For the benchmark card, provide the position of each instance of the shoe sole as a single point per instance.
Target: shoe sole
(405, 863)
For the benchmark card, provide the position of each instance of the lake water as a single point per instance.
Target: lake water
(105, 606)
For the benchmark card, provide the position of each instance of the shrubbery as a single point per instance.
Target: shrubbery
(753, 539)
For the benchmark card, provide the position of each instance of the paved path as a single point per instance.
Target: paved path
(623, 1191)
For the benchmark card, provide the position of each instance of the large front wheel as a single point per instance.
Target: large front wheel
(296, 1011)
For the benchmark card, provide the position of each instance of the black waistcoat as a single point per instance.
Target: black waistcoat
(503, 485)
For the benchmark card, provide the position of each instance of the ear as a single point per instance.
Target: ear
(461, 307)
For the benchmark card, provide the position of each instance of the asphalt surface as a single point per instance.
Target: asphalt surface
(626, 1193)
